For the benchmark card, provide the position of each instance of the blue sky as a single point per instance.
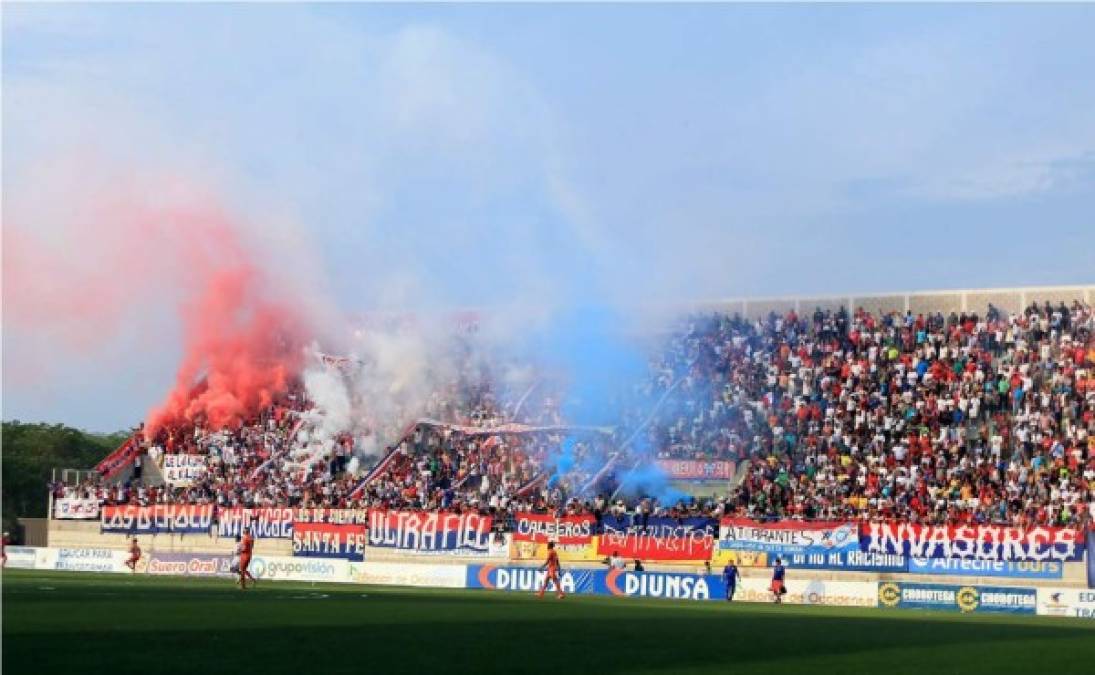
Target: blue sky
(473, 155)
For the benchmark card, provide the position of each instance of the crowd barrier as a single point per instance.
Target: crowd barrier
(1047, 601)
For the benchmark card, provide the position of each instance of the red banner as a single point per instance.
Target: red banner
(687, 469)
(325, 540)
(119, 459)
(660, 539)
(544, 528)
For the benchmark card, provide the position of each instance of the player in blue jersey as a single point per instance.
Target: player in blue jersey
(731, 576)
(778, 588)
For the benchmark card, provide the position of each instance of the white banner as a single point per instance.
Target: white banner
(409, 574)
(22, 557)
(84, 560)
(182, 470)
(288, 568)
(71, 508)
(812, 592)
(1073, 602)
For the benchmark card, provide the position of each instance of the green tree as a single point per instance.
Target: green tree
(31, 451)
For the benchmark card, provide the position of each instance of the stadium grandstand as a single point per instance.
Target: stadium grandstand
(974, 407)
(857, 457)
(447, 338)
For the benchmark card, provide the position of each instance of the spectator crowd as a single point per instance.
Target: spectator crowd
(957, 418)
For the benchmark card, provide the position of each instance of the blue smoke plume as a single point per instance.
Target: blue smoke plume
(603, 366)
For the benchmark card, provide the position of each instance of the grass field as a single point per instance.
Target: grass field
(57, 622)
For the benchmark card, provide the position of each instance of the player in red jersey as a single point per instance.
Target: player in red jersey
(134, 555)
(552, 565)
(247, 544)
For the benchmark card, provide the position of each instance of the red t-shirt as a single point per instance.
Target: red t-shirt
(553, 561)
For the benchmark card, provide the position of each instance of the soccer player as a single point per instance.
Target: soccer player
(4, 549)
(134, 555)
(778, 588)
(247, 544)
(731, 576)
(552, 565)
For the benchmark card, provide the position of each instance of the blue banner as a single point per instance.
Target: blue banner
(430, 532)
(600, 582)
(1091, 559)
(660, 585)
(841, 559)
(990, 599)
(987, 568)
(530, 579)
(174, 518)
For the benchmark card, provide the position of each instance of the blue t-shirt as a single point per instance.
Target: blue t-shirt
(730, 575)
(777, 573)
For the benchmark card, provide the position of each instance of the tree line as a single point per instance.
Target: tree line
(32, 450)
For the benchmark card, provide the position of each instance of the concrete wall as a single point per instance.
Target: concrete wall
(35, 531)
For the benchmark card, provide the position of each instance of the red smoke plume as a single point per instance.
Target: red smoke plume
(241, 352)
(84, 263)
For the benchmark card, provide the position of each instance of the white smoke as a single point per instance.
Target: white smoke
(385, 380)
(330, 417)
(396, 371)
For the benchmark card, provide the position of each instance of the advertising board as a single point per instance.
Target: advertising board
(965, 599)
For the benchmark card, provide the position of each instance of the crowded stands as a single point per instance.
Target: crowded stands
(829, 415)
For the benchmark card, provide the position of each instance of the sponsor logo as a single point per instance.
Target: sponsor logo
(22, 556)
(484, 576)
(281, 569)
(968, 598)
(1070, 602)
(412, 574)
(965, 599)
(88, 560)
(184, 565)
(1056, 606)
(889, 594)
(675, 586)
(1041, 569)
(84, 554)
(521, 579)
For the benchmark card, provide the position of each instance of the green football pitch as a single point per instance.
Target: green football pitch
(56, 622)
